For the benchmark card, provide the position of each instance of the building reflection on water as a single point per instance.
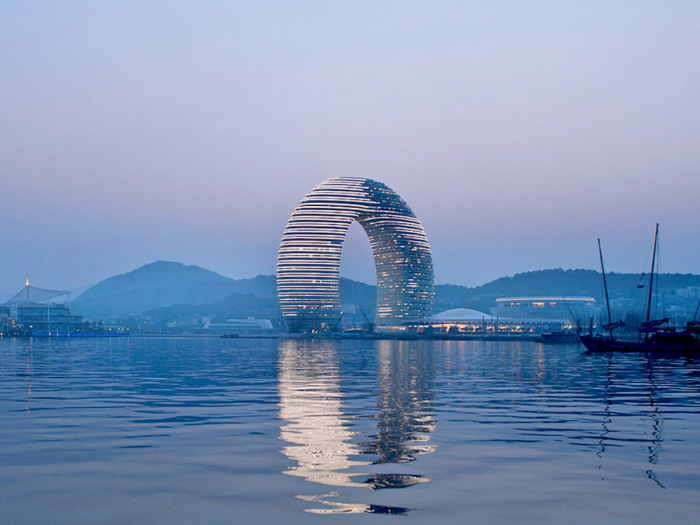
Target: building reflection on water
(406, 420)
(311, 402)
(321, 441)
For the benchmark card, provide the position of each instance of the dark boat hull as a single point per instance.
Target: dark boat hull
(678, 344)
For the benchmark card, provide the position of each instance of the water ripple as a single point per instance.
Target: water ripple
(274, 429)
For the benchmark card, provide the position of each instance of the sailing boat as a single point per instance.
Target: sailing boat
(653, 336)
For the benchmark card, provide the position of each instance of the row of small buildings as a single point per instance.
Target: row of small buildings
(509, 316)
(517, 316)
(31, 312)
(33, 318)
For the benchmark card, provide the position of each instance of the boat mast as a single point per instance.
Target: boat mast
(651, 277)
(605, 285)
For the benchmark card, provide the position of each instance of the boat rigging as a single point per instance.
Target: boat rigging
(653, 336)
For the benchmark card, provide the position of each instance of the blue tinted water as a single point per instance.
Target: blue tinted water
(180, 431)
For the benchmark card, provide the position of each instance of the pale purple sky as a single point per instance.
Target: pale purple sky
(518, 132)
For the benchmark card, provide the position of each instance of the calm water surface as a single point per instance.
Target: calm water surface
(180, 431)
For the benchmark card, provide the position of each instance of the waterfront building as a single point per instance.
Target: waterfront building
(574, 311)
(49, 318)
(467, 322)
(308, 263)
(5, 319)
(239, 326)
(31, 311)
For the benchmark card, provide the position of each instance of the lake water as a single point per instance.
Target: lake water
(192, 431)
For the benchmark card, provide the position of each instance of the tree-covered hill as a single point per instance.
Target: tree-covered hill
(164, 284)
(160, 284)
(557, 283)
(170, 289)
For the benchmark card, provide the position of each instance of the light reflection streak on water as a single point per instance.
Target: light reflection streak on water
(318, 429)
(311, 402)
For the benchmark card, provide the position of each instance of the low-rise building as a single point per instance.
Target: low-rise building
(48, 318)
(5, 319)
(239, 326)
(467, 322)
(572, 311)
(31, 311)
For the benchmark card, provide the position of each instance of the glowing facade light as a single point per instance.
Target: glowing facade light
(308, 263)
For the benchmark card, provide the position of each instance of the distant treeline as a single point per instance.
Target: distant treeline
(167, 291)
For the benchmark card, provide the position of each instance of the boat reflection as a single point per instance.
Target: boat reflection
(321, 436)
(634, 389)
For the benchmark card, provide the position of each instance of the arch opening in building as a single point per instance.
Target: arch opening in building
(308, 263)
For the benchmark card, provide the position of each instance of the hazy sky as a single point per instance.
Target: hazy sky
(518, 132)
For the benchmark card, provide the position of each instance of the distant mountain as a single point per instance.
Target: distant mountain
(556, 283)
(173, 287)
(234, 306)
(160, 284)
(77, 291)
(171, 290)
(359, 294)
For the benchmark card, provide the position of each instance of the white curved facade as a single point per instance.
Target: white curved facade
(308, 263)
(573, 309)
(459, 314)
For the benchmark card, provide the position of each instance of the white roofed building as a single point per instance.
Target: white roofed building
(465, 322)
(578, 311)
(239, 326)
(459, 315)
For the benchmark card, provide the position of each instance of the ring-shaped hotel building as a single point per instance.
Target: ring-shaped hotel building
(308, 263)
